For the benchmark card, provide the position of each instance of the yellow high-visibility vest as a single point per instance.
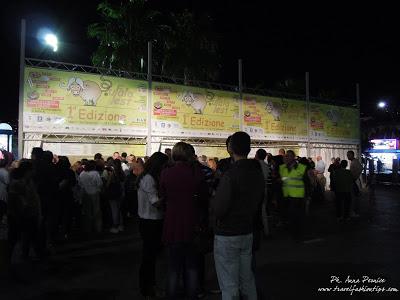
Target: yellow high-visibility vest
(292, 181)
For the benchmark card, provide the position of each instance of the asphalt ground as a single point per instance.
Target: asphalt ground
(352, 260)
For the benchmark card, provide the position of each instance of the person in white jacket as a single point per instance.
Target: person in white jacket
(91, 185)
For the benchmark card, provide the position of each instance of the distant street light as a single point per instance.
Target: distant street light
(382, 104)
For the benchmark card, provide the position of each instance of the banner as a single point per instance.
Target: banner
(193, 112)
(79, 103)
(334, 124)
(275, 119)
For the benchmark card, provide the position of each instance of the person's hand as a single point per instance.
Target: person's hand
(158, 204)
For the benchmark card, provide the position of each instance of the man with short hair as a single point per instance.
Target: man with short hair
(116, 155)
(293, 176)
(236, 205)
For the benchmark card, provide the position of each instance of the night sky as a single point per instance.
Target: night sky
(339, 45)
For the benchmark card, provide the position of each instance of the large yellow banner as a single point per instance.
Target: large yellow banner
(272, 118)
(79, 103)
(334, 124)
(194, 112)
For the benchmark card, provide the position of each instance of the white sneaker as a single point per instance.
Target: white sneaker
(121, 228)
(114, 230)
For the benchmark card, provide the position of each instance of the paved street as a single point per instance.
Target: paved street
(107, 268)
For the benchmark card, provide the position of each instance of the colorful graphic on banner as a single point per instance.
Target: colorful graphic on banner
(329, 123)
(79, 103)
(276, 119)
(194, 112)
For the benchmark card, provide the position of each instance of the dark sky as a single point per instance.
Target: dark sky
(339, 45)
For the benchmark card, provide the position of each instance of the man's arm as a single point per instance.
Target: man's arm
(222, 200)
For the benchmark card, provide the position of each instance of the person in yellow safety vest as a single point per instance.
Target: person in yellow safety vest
(294, 181)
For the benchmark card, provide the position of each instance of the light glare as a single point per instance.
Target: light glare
(52, 41)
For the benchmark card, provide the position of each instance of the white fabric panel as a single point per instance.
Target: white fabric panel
(29, 145)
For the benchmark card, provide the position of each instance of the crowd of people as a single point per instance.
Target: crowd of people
(189, 204)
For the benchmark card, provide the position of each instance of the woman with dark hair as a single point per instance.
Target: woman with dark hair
(114, 193)
(184, 190)
(150, 220)
(23, 210)
(65, 194)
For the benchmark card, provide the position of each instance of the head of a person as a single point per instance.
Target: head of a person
(115, 155)
(77, 166)
(55, 158)
(90, 166)
(227, 145)
(24, 170)
(98, 156)
(131, 158)
(168, 152)
(216, 159)
(239, 144)
(140, 161)
(109, 160)
(212, 164)
(124, 156)
(3, 159)
(337, 160)
(146, 158)
(304, 161)
(182, 152)
(261, 154)
(100, 165)
(204, 158)
(290, 157)
(37, 153)
(333, 160)
(48, 157)
(116, 164)
(319, 158)
(350, 155)
(63, 162)
(155, 164)
(281, 152)
(343, 164)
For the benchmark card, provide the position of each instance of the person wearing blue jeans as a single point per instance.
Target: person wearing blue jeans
(237, 207)
(233, 256)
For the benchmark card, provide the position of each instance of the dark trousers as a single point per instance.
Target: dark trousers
(26, 230)
(150, 231)
(343, 204)
(201, 270)
(296, 215)
(182, 260)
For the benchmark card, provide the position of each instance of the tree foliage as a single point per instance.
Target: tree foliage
(183, 44)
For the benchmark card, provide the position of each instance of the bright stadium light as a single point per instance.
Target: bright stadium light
(52, 41)
(382, 104)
